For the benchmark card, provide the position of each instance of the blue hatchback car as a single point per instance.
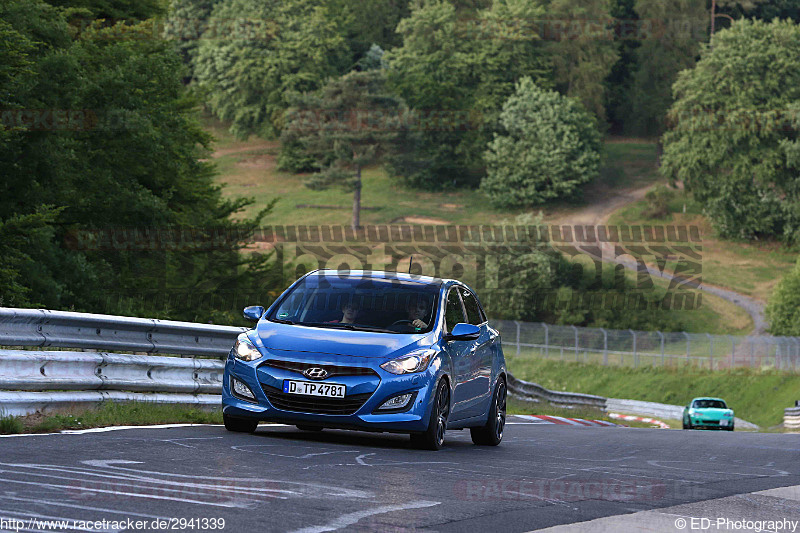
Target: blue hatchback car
(374, 351)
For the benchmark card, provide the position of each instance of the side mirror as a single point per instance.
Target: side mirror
(463, 332)
(253, 312)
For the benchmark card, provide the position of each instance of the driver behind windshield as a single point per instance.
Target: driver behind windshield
(350, 311)
(418, 313)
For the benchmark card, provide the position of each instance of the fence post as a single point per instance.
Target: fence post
(797, 352)
(661, 335)
(576, 342)
(635, 353)
(516, 322)
(687, 346)
(605, 346)
(546, 340)
(710, 351)
(733, 350)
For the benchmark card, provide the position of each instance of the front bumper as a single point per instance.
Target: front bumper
(711, 423)
(366, 391)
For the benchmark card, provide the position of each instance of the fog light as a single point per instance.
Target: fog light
(242, 391)
(397, 402)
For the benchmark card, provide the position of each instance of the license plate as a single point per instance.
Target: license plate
(723, 422)
(309, 388)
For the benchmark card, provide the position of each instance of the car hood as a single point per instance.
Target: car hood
(712, 412)
(275, 336)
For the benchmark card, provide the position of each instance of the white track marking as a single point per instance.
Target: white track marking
(116, 477)
(122, 493)
(45, 518)
(81, 507)
(351, 518)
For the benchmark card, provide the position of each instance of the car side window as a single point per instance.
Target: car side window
(453, 312)
(471, 305)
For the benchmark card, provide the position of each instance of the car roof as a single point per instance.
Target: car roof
(708, 398)
(381, 274)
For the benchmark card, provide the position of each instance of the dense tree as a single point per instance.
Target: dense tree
(349, 124)
(548, 147)
(187, 22)
(114, 10)
(273, 49)
(783, 310)
(671, 32)
(735, 130)
(101, 138)
(455, 68)
(582, 50)
(368, 22)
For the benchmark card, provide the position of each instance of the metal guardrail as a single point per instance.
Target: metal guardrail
(33, 380)
(63, 329)
(535, 392)
(82, 378)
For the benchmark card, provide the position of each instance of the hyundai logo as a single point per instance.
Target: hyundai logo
(315, 373)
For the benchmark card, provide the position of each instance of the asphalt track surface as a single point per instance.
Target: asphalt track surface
(283, 479)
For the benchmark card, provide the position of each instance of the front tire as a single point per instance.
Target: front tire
(687, 425)
(433, 437)
(492, 433)
(239, 425)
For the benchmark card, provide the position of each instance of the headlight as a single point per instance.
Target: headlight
(244, 349)
(728, 415)
(410, 363)
(691, 412)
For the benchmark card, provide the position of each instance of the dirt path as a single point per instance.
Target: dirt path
(599, 214)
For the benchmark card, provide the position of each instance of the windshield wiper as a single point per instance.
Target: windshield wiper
(282, 321)
(340, 325)
(334, 325)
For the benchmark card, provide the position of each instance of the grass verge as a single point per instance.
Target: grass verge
(756, 396)
(110, 414)
(249, 169)
(518, 406)
(751, 268)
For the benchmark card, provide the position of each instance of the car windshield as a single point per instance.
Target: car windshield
(361, 303)
(709, 404)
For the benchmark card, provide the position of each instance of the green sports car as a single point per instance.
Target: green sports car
(708, 413)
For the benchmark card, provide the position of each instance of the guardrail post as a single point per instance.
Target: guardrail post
(516, 322)
(576, 342)
(605, 346)
(710, 351)
(733, 350)
(546, 340)
(662, 346)
(635, 353)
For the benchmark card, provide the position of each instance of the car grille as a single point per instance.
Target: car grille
(333, 370)
(313, 404)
